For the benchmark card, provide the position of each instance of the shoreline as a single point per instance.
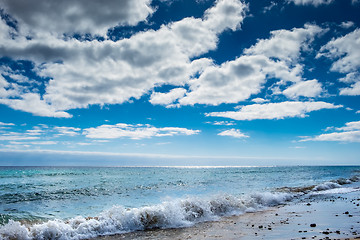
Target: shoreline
(317, 217)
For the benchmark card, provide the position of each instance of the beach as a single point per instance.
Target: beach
(317, 217)
(180, 203)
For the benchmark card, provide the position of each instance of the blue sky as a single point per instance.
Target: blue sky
(180, 82)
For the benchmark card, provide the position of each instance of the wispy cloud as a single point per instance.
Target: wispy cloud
(274, 110)
(236, 133)
(311, 2)
(138, 131)
(348, 133)
(68, 131)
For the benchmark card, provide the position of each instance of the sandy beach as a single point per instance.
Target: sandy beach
(317, 217)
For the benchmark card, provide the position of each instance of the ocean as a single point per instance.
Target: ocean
(87, 202)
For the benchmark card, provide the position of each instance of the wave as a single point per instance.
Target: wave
(320, 187)
(174, 213)
(170, 214)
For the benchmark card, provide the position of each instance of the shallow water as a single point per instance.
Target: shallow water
(82, 202)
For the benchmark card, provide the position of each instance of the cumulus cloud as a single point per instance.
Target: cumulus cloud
(167, 98)
(274, 110)
(259, 100)
(353, 90)
(310, 88)
(31, 102)
(234, 81)
(286, 45)
(349, 133)
(106, 72)
(81, 16)
(138, 131)
(350, 126)
(344, 52)
(347, 24)
(236, 133)
(311, 2)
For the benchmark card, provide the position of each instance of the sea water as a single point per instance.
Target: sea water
(85, 202)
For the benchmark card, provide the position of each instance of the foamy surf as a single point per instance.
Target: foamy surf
(173, 213)
(170, 214)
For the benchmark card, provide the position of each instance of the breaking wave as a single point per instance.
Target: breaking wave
(170, 214)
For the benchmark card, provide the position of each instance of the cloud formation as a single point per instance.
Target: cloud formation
(349, 133)
(310, 88)
(138, 131)
(236, 133)
(67, 17)
(311, 2)
(235, 81)
(346, 56)
(83, 73)
(274, 110)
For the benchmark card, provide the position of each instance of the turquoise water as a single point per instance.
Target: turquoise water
(180, 196)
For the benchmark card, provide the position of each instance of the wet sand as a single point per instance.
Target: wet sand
(333, 217)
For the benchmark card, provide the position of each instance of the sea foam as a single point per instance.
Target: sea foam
(173, 213)
(170, 214)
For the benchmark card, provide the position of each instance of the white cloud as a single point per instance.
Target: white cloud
(344, 51)
(236, 133)
(6, 124)
(310, 88)
(226, 14)
(274, 110)
(350, 126)
(347, 24)
(269, 7)
(139, 131)
(351, 77)
(167, 98)
(106, 72)
(351, 136)
(222, 123)
(311, 2)
(14, 136)
(349, 133)
(81, 16)
(34, 132)
(353, 90)
(68, 131)
(35, 143)
(230, 82)
(237, 80)
(259, 100)
(31, 102)
(284, 44)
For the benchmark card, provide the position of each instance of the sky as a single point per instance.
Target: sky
(179, 82)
